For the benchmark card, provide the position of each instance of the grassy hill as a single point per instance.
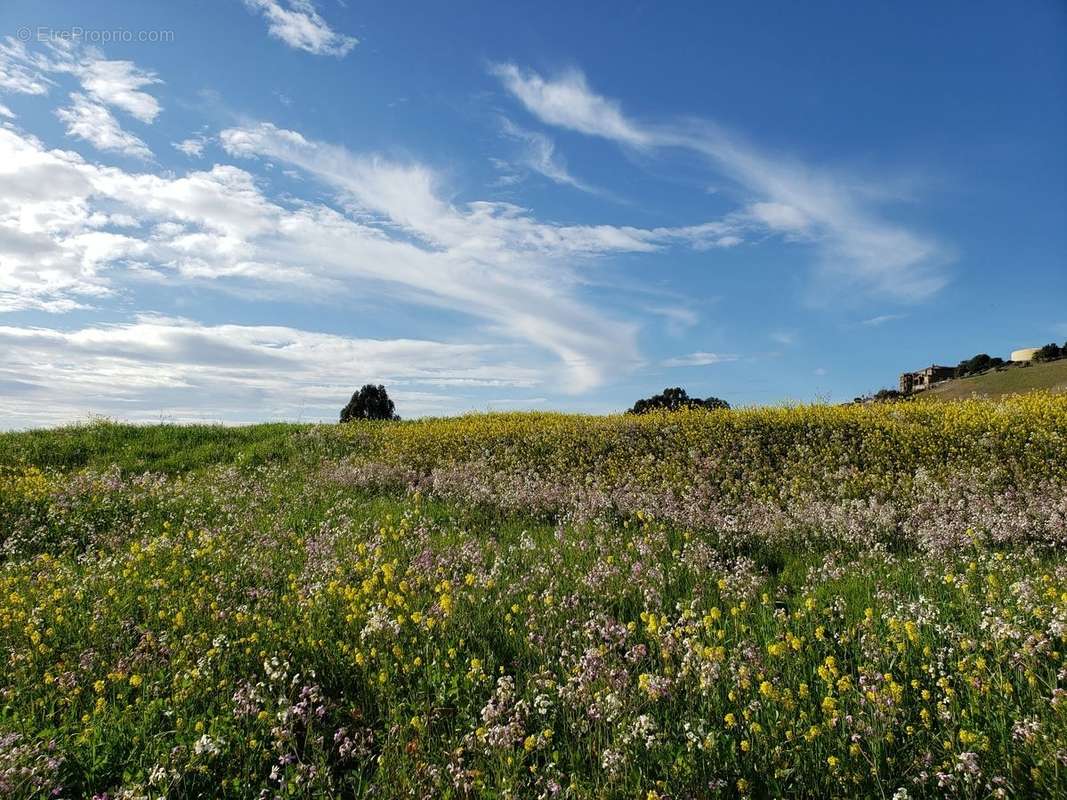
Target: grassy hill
(806, 602)
(1013, 380)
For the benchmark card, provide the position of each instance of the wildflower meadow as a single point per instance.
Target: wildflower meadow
(823, 602)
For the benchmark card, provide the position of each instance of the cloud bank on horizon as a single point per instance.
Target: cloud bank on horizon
(159, 256)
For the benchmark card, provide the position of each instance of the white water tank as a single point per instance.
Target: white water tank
(1025, 354)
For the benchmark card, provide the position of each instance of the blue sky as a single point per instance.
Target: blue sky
(243, 210)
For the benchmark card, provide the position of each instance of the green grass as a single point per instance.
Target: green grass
(169, 449)
(1050, 377)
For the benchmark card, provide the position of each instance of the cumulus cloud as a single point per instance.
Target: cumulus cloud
(299, 25)
(856, 246)
(183, 370)
(192, 146)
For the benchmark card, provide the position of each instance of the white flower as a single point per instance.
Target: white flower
(205, 744)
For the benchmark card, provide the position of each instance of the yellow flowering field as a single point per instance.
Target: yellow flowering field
(792, 602)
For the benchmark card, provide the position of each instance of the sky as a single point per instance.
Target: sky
(243, 210)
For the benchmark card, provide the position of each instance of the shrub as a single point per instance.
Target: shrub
(674, 400)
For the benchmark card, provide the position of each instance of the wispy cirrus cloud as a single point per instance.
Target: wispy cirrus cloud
(298, 24)
(882, 319)
(72, 232)
(568, 102)
(540, 155)
(699, 359)
(497, 262)
(18, 72)
(856, 246)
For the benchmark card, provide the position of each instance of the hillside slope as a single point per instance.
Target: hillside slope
(1014, 380)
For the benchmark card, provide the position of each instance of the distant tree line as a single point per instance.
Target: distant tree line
(675, 399)
(1051, 352)
(882, 396)
(983, 361)
(978, 364)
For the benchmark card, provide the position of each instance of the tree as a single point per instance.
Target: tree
(674, 400)
(370, 402)
(980, 363)
(1050, 352)
(881, 396)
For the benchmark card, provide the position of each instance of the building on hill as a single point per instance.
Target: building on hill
(925, 378)
(1025, 354)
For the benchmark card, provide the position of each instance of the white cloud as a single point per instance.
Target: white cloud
(783, 337)
(539, 154)
(855, 246)
(61, 250)
(780, 217)
(106, 84)
(6, 112)
(678, 318)
(76, 232)
(882, 319)
(17, 73)
(91, 121)
(188, 371)
(569, 103)
(298, 24)
(699, 359)
(497, 261)
(118, 84)
(193, 146)
(114, 83)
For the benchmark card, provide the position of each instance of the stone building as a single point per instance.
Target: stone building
(925, 378)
